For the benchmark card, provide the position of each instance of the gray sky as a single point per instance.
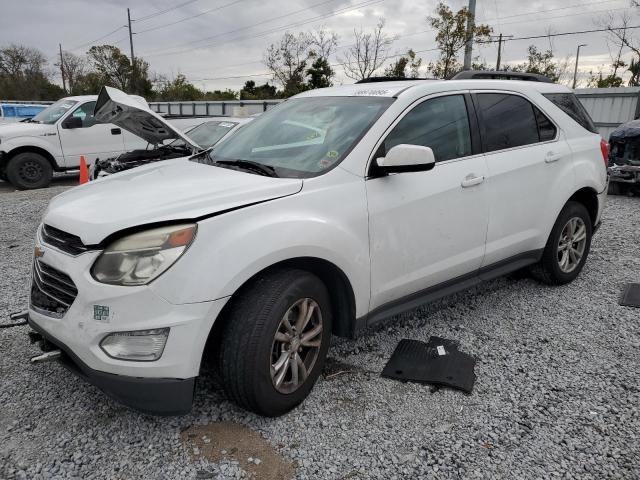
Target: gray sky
(228, 37)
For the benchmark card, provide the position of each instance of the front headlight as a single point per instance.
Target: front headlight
(139, 258)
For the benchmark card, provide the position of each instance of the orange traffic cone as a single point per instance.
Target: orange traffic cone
(84, 170)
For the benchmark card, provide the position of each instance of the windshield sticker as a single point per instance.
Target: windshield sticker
(324, 163)
(372, 93)
(226, 124)
(332, 154)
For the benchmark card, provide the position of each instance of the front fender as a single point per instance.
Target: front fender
(10, 144)
(327, 223)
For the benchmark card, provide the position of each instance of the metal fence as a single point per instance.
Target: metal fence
(214, 108)
(610, 107)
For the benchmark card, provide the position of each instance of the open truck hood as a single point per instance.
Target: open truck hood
(115, 106)
(171, 190)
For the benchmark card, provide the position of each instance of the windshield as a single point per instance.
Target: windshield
(207, 134)
(52, 113)
(303, 137)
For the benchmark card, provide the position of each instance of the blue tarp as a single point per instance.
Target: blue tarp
(19, 110)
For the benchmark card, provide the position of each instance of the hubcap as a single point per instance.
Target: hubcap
(296, 345)
(571, 245)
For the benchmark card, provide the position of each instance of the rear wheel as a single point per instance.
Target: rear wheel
(567, 247)
(275, 341)
(29, 170)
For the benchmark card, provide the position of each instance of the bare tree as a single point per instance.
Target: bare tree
(18, 60)
(287, 61)
(75, 67)
(322, 43)
(617, 28)
(368, 53)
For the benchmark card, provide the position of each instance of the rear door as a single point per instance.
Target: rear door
(530, 174)
(426, 228)
(92, 139)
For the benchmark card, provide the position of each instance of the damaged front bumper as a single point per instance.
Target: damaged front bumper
(158, 396)
(624, 174)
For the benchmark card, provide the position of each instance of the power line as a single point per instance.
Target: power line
(580, 32)
(162, 12)
(162, 52)
(99, 38)
(580, 5)
(268, 74)
(205, 12)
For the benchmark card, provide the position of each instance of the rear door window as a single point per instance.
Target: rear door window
(507, 121)
(569, 104)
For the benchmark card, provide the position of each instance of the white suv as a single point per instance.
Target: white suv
(335, 210)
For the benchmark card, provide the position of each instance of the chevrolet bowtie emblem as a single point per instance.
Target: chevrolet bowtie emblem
(38, 252)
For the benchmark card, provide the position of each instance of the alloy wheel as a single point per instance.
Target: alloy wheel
(296, 345)
(571, 245)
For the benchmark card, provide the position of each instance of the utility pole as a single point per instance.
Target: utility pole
(500, 40)
(468, 49)
(575, 70)
(133, 60)
(64, 83)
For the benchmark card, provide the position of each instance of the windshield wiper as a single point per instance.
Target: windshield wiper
(267, 170)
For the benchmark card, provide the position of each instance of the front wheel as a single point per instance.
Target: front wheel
(567, 248)
(29, 170)
(275, 341)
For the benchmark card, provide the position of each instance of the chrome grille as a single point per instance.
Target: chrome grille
(51, 289)
(68, 243)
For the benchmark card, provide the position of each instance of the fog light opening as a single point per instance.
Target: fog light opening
(140, 345)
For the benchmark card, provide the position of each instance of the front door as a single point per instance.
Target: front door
(426, 228)
(90, 138)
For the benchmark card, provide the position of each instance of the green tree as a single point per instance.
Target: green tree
(603, 81)
(113, 66)
(227, 94)
(179, 89)
(407, 66)
(262, 92)
(451, 37)
(539, 62)
(320, 73)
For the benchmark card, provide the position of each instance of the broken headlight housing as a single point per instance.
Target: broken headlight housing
(139, 258)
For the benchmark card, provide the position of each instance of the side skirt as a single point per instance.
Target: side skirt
(385, 312)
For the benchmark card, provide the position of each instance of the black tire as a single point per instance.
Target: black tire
(3, 175)
(249, 338)
(29, 170)
(549, 269)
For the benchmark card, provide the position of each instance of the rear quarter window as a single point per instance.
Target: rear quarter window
(569, 104)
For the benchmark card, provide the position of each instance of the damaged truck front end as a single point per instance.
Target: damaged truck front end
(624, 159)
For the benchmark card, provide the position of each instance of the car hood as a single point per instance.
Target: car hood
(22, 129)
(115, 106)
(172, 190)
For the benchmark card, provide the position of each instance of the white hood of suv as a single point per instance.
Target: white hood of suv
(115, 106)
(171, 190)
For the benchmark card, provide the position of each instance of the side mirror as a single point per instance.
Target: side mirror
(72, 122)
(407, 158)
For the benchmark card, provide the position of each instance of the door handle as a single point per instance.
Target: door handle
(116, 131)
(470, 181)
(551, 157)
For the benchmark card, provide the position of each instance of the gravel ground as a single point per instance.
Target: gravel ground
(557, 393)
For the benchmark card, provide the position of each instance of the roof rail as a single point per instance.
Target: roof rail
(390, 79)
(500, 75)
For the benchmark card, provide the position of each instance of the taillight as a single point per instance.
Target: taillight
(604, 148)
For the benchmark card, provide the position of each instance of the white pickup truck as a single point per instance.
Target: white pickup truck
(54, 140)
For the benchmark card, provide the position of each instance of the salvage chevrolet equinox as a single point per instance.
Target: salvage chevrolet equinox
(335, 210)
